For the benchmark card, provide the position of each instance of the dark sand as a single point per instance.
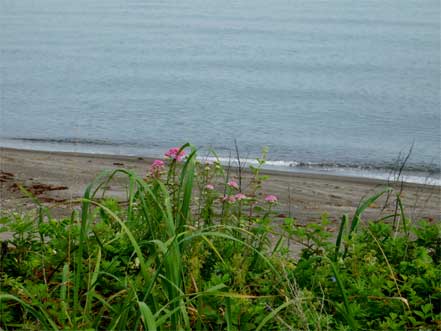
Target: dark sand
(57, 177)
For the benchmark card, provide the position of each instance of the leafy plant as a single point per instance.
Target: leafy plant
(194, 247)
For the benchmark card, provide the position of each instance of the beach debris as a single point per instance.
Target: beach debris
(49, 199)
(38, 190)
(5, 176)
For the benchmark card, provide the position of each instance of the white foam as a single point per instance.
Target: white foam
(347, 171)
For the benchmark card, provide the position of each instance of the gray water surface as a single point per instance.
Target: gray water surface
(322, 83)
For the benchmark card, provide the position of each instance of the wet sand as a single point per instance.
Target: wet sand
(56, 178)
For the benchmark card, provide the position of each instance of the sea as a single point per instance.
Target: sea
(329, 86)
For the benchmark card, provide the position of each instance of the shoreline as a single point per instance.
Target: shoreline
(305, 196)
(428, 174)
(298, 172)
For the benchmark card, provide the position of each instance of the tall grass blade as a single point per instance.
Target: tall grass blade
(143, 266)
(344, 220)
(364, 205)
(78, 270)
(273, 313)
(92, 284)
(64, 280)
(228, 317)
(210, 243)
(348, 314)
(402, 215)
(41, 316)
(64, 291)
(147, 317)
(186, 190)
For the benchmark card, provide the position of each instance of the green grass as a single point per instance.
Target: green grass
(175, 255)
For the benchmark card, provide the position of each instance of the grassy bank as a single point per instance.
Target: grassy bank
(191, 247)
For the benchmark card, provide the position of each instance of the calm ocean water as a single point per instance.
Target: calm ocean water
(334, 86)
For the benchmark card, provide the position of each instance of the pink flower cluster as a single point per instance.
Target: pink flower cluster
(271, 198)
(173, 153)
(156, 167)
(209, 187)
(158, 164)
(229, 198)
(240, 196)
(233, 184)
(234, 198)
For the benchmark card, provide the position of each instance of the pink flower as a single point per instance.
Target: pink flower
(209, 187)
(173, 153)
(158, 164)
(271, 198)
(240, 196)
(156, 167)
(229, 198)
(233, 184)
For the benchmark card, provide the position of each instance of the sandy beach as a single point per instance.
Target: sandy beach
(55, 178)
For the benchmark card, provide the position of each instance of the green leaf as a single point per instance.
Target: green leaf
(147, 317)
(273, 314)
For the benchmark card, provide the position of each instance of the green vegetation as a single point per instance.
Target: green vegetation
(190, 248)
